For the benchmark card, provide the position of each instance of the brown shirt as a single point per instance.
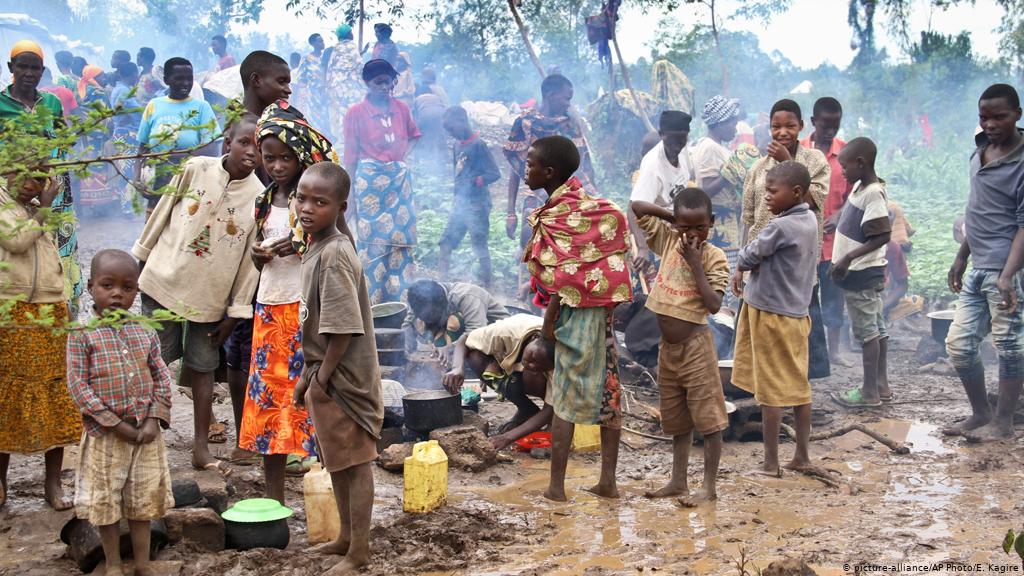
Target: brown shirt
(335, 300)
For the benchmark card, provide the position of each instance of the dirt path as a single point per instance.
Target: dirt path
(944, 502)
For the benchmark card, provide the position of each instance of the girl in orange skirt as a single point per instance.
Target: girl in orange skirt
(271, 425)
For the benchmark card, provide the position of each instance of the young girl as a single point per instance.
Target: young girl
(271, 424)
(36, 410)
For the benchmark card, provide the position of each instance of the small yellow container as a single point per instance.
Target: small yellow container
(426, 478)
(322, 521)
(586, 438)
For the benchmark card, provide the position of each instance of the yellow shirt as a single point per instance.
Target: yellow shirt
(504, 340)
(675, 292)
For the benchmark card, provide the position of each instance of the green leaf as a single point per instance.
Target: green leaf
(1018, 545)
(1008, 541)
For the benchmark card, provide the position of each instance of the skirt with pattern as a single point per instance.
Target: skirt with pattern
(36, 410)
(271, 423)
(386, 228)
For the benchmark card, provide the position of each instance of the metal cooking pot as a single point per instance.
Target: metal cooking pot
(389, 314)
(431, 409)
(389, 338)
(941, 321)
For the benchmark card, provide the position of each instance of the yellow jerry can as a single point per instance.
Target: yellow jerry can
(322, 521)
(586, 438)
(426, 478)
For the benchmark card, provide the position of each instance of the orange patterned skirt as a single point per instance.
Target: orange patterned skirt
(36, 410)
(271, 424)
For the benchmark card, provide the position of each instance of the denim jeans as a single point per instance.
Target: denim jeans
(977, 314)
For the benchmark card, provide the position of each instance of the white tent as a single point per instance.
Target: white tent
(802, 88)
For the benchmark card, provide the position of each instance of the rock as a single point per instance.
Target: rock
(200, 527)
(186, 492)
(388, 437)
(540, 453)
(476, 420)
(393, 457)
(466, 447)
(789, 567)
(928, 351)
(215, 489)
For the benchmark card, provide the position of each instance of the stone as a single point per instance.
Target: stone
(789, 567)
(200, 527)
(476, 420)
(215, 489)
(186, 492)
(393, 457)
(466, 446)
(540, 453)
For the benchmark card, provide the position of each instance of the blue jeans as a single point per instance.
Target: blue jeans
(977, 314)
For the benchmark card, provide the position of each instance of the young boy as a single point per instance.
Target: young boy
(577, 261)
(690, 285)
(990, 299)
(858, 268)
(441, 313)
(513, 352)
(774, 322)
(897, 273)
(341, 379)
(475, 170)
(197, 247)
(123, 389)
(266, 79)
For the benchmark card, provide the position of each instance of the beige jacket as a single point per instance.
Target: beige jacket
(31, 268)
(197, 244)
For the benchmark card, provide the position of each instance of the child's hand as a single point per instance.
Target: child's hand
(690, 250)
(150, 430)
(511, 221)
(261, 256)
(299, 395)
(737, 283)
(126, 432)
(907, 246)
(831, 223)
(840, 268)
(641, 262)
(955, 278)
(283, 247)
(778, 151)
(223, 330)
(453, 380)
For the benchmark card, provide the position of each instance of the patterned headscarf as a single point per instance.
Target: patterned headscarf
(719, 109)
(283, 121)
(89, 74)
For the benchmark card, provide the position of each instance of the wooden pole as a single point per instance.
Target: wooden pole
(362, 14)
(526, 39)
(629, 85)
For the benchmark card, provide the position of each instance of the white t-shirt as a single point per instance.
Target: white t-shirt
(280, 282)
(709, 157)
(658, 177)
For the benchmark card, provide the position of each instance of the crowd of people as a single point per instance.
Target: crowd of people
(273, 236)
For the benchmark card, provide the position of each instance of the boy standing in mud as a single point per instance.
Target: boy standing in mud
(340, 382)
(990, 297)
(577, 262)
(690, 285)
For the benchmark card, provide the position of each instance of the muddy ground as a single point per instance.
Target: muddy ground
(944, 502)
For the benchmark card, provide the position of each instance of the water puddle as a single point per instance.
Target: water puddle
(921, 436)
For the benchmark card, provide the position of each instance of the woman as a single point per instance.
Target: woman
(342, 77)
(379, 133)
(405, 85)
(786, 122)
(311, 80)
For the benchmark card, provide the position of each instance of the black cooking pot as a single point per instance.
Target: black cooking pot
(941, 321)
(392, 357)
(389, 338)
(389, 314)
(248, 535)
(431, 409)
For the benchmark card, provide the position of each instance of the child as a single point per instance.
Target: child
(197, 246)
(990, 298)
(512, 354)
(475, 170)
(897, 273)
(442, 313)
(690, 285)
(271, 424)
(123, 389)
(858, 268)
(771, 339)
(341, 379)
(577, 260)
(35, 408)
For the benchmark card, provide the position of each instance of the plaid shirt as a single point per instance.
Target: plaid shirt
(118, 374)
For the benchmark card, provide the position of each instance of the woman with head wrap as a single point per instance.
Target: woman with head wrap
(379, 133)
(271, 425)
(343, 78)
(385, 48)
(710, 154)
(89, 87)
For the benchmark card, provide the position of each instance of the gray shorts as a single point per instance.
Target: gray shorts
(186, 340)
(866, 317)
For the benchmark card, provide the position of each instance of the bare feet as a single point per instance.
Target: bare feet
(769, 471)
(840, 361)
(347, 566)
(337, 548)
(148, 571)
(213, 465)
(113, 571)
(603, 491)
(55, 497)
(806, 467)
(991, 432)
(240, 457)
(694, 500)
(971, 423)
(555, 495)
(669, 489)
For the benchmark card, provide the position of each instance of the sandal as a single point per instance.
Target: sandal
(297, 465)
(887, 399)
(854, 399)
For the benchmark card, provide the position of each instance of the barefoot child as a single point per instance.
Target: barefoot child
(691, 282)
(197, 247)
(341, 380)
(271, 425)
(577, 261)
(771, 338)
(123, 389)
(858, 268)
(990, 298)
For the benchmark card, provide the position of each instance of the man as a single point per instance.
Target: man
(64, 77)
(826, 117)
(117, 59)
(552, 118)
(385, 49)
(219, 46)
(710, 154)
(151, 82)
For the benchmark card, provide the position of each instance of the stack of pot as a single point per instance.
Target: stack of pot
(387, 326)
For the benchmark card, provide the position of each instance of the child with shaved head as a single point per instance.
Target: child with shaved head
(774, 322)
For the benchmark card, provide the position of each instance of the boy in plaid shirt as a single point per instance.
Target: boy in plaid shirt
(123, 389)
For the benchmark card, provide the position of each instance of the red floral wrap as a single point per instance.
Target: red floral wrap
(578, 249)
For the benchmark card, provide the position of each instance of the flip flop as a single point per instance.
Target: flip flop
(887, 399)
(217, 467)
(298, 466)
(853, 399)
